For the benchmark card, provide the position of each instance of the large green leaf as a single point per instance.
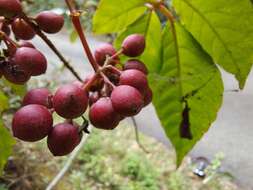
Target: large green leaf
(224, 29)
(6, 144)
(115, 15)
(192, 76)
(187, 90)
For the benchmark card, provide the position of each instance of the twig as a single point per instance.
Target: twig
(75, 18)
(51, 46)
(137, 135)
(68, 164)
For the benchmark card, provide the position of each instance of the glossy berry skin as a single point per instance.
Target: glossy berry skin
(136, 64)
(22, 30)
(50, 22)
(127, 100)
(26, 44)
(30, 60)
(10, 8)
(16, 75)
(63, 139)
(78, 84)
(103, 51)
(134, 45)
(40, 96)
(70, 101)
(148, 97)
(102, 114)
(134, 78)
(32, 123)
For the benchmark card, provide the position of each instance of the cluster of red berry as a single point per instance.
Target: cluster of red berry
(20, 61)
(115, 92)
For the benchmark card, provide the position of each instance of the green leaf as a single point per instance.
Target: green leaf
(149, 25)
(224, 29)
(189, 80)
(4, 102)
(19, 90)
(6, 144)
(115, 15)
(198, 76)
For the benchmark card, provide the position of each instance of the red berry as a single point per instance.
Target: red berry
(32, 123)
(63, 139)
(134, 45)
(70, 101)
(78, 83)
(30, 60)
(148, 97)
(136, 64)
(15, 74)
(22, 30)
(134, 78)
(50, 22)
(102, 114)
(40, 96)
(127, 100)
(103, 51)
(26, 44)
(10, 8)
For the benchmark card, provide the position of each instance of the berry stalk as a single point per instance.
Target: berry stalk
(75, 17)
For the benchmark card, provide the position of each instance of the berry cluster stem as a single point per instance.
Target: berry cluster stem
(75, 17)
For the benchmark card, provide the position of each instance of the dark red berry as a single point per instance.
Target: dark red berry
(134, 78)
(103, 51)
(148, 97)
(93, 97)
(63, 139)
(70, 101)
(10, 8)
(22, 30)
(136, 64)
(127, 100)
(26, 44)
(40, 96)
(30, 60)
(15, 74)
(50, 22)
(134, 45)
(102, 114)
(32, 123)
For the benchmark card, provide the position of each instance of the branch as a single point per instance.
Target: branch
(51, 46)
(68, 164)
(75, 17)
(137, 135)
